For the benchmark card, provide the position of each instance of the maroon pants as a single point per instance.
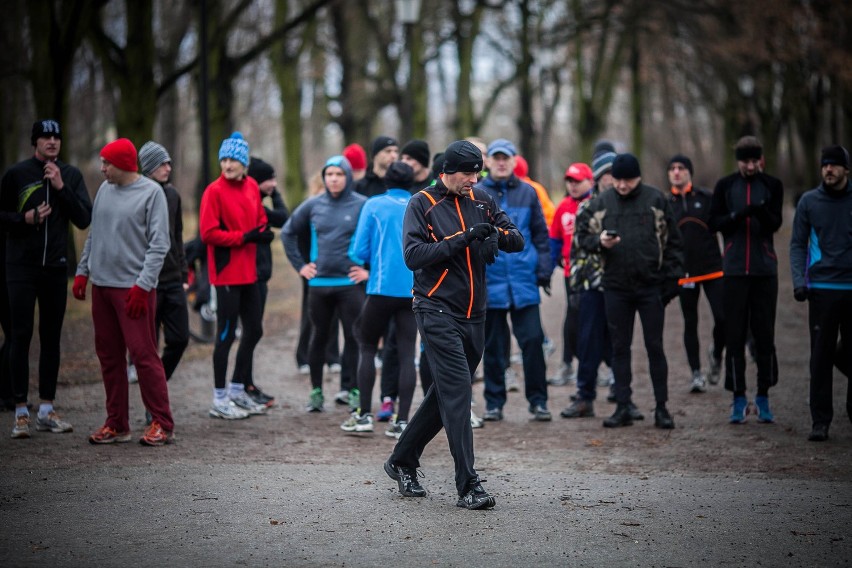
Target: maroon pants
(115, 335)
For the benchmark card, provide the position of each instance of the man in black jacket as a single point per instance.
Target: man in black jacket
(172, 314)
(821, 263)
(38, 198)
(703, 264)
(633, 228)
(450, 232)
(747, 210)
(384, 151)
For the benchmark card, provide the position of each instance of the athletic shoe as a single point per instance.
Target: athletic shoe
(512, 381)
(244, 402)
(493, 415)
(22, 426)
(819, 433)
(227, 411)
(342, 397)
(355, 401)
(304, 369)
(333, 368)
(475, 421)
(579, 409)
(698, 383)
(565, 375)
(621, 417)
(316, 401)
(132, 375)
(259, 397)
(377, 361)
(635, 414)
(763, 413)
(516, 359)
(715, 367)
(385, 413)
(476, 497)
(540, 413)
(739, 409)
(605, 377)
(406, 478)
(395, 428)
(155, 436)
(662, 419)
(106, 435)
(358, 423)
(52, 423)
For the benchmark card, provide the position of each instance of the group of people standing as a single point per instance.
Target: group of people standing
(454, 250)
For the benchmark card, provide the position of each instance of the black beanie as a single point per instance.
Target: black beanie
(399, 176)
(417, 149)
(47, 127)
(260, 170)
(625, 166)
(602, 147)
(836, 155)
(437, 164)
(381, 143)
(681, 159)
(462, 156)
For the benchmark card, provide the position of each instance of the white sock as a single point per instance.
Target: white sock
(236, 389)
(21, 411)
(220, 396)
(44, 409)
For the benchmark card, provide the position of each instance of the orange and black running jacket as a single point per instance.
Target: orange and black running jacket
(449, 276)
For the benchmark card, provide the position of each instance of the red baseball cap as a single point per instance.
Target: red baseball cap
(579, 172)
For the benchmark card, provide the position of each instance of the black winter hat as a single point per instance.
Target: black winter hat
(681, 159)
(260, 170)
(462, 156)
(836, 155)
(381, 143)
(46, 127)
(437, 164)
(626, 166)
(399, 176)
(417, 149)
(602, 147)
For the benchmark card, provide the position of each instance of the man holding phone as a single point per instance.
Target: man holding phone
(38, 198)
(636, 234)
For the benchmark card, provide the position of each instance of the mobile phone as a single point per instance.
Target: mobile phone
(612, 233)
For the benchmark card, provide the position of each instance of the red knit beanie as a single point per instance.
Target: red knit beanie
(356, 155)
(121, 154)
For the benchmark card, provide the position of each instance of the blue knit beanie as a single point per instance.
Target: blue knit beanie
(235, 148)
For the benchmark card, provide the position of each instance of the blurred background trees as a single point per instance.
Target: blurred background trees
(303, 78)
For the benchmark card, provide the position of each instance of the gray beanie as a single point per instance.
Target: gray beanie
(151, 157)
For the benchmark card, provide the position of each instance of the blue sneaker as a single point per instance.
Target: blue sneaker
(763, 413)
(739, 409)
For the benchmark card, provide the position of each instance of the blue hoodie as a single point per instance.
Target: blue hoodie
(330, 222)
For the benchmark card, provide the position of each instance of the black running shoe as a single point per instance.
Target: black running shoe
(259, 397)
(476, 497)
(406, 478)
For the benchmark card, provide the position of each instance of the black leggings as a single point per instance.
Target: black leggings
(714, 290)
(235, 303)
(48, 287)
(322, 301)
(372, 325)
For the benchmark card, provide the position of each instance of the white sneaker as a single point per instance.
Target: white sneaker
(304, 369)
(698, 383)
(132, 375)
(605, 377)
(244, 402)
(334, 368)
(564, 376)
(395, 429)
(227, 411)
(357, 423)
(512, 381)
(52, 423)
(475, 421)
(342, 397)
(22, 426)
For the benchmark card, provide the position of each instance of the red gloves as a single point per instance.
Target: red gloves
(137, 302)
(79, 287)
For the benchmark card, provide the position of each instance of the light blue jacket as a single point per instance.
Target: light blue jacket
(378, 243)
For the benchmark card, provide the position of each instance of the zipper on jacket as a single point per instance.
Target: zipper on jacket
(467, 255)
(46, 221)
(748, 231)
(438, 284)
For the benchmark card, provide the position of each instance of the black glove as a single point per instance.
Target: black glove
(488, 249)
(478, 232)
(544, 284)
(800, 293)
(260, 234)
(669, 292)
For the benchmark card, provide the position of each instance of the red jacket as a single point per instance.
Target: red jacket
(229, 209)
(562, 228)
